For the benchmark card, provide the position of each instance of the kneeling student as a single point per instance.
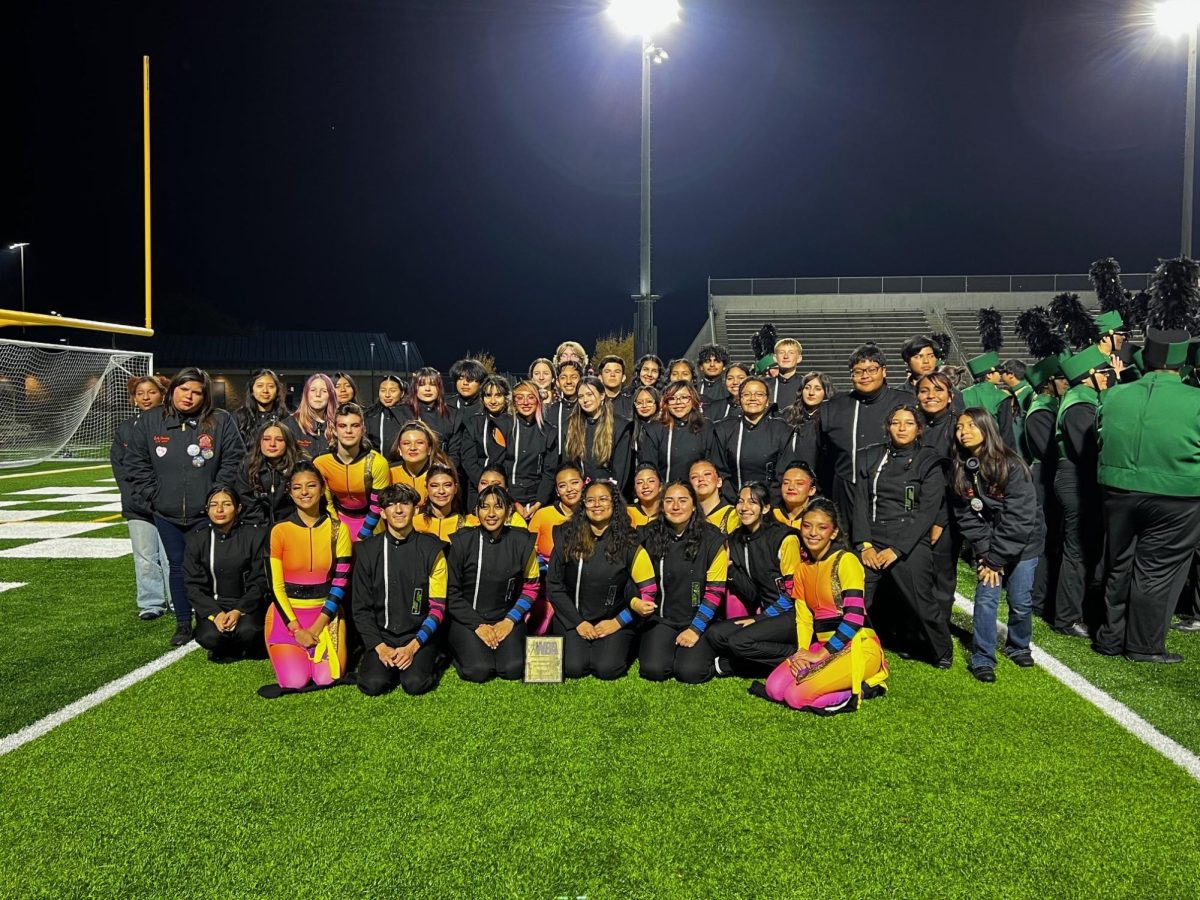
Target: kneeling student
(225, 569)
(399, 599)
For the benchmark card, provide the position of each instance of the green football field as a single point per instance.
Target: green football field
(188, 784)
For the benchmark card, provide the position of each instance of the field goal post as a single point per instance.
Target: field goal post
(59, 401)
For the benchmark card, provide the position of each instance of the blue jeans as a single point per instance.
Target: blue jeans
(150, 567)
(1018, 579)
(174, 541)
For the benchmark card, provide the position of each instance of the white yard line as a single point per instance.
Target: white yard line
(95, 698)
(54, 471)
(1106, 703)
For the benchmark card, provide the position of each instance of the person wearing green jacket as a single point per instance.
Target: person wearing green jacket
(1149, 467)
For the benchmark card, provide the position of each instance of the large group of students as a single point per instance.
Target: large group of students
(705, 518)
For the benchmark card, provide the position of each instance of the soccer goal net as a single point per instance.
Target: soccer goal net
(63, 402)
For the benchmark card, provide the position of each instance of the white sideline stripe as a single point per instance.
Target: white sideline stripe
(10, 585)
(1106, 703)
(54, 472)
(95, 698)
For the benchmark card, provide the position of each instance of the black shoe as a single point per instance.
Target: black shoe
(149, 615)
(1105, 651)
(723, 667)
(758, 689)
(986, 674)
(1187, 624)
(182, 635)
(1154, 657)
(1075, 629)
(221, 658)
(849, 705)
(1022, 658)
(944, 663)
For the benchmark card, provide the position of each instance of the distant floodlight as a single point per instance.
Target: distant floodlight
(1176, 17)
(644, 17)
(18, 245)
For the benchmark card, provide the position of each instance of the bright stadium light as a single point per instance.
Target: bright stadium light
(644, 18)
(1177, 17)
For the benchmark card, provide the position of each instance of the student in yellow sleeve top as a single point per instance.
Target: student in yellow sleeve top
(399, 599)
(1150, 470)
(596, 568)
(692, 563)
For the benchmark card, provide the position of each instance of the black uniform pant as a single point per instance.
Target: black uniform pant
(607, 658)
(1082, 544)
(756, 649)
(476, 661)
(925, 616)
(1045, 579)
(374, 678)
(1151, 539)
(659, 658)
(246, 639)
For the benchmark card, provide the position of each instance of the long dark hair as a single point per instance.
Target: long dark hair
(995, 461)
(248, 413)
(456, 505)
(426, 375)
(912, 410)
(256, 462)
(575, 446)
(942, 380)
(829, 508)
(658, 536)
(797, 413)
(662, 370)
(338, 376)
(203, 414)
(306, 465)
(695, 419)
(578, 542)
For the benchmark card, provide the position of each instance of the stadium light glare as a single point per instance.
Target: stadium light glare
(18, 245)
(1177, 17)
(644, 18)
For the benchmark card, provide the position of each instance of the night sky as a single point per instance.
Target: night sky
(464, 173)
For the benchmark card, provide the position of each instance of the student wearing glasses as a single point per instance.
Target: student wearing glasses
(751, 447)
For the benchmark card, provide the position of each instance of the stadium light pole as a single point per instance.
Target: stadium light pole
(645, 19)
(1176, 17)
(19, 247)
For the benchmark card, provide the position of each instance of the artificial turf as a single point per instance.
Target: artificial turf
(189, 784)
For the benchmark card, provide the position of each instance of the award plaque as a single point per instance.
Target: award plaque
(543, 660)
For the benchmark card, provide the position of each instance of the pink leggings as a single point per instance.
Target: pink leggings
(294, 666)
(829, 685)
(539, 617)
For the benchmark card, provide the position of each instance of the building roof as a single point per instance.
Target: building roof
(308, 351)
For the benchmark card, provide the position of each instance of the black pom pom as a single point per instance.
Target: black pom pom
(1175, 296)
(989, 330)
(1034, 328)
(1105, 275)
(1136, 310)
(1073, 320)
(942, 344)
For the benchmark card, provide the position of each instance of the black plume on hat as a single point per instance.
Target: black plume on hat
(1034, 328)
(989, 330)
(1105, 275)
(764, 342)
(1136, 310)
(1175, 296)
(1071, 318)
(942, 343)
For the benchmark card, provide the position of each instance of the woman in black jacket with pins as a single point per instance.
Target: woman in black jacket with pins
(596, 568)
(225, 568)
(492, 583)
(530, 451)
(180, 452)
(901, 491)
(262, 478)
(996, 508)
(681, 435)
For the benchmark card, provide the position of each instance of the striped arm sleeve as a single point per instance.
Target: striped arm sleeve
(789, 558)
(437, 600)
(714, 590)
(854, 607)
(381, 477)
(529, 591)
(341, 569)
(278, 587)
(642, 573)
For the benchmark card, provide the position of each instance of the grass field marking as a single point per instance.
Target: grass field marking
(1106, 703)
(10, 585)
(95, 698)
(112, 518)
(54, 472)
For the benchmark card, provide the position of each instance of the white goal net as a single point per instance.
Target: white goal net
(64, 402)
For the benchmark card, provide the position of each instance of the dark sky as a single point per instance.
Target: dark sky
(464, 173)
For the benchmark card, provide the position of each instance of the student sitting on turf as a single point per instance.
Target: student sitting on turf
(225, 570)
(399, 599)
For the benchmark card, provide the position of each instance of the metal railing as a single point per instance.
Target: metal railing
(912, 284)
